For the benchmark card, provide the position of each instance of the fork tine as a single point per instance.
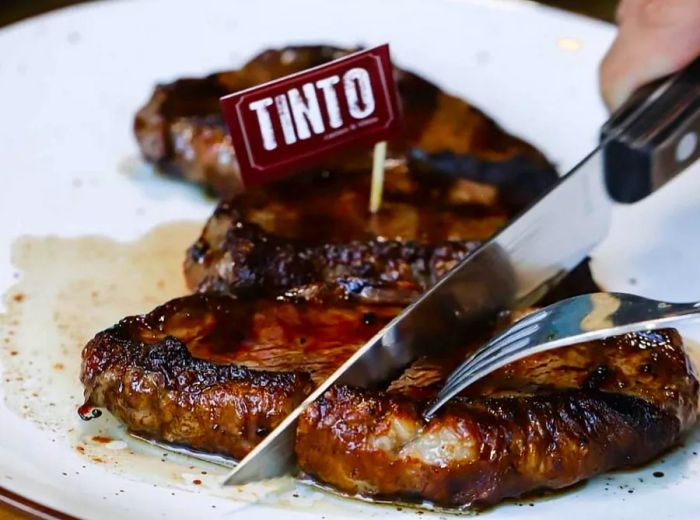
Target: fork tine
(518, 351)
(481, 368)
(476, 356)
(493, 347)
(508, 349)
(473, 368)
(569, 322)
(448, 392)
(486, 349)
(514, 350)
(519, 325)
(467, 362)
(510, 337)
(527, 320)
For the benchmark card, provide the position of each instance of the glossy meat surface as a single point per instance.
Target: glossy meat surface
(217, 374)
(453, 179)
(545, 422)
(276, 247)
(311, 236)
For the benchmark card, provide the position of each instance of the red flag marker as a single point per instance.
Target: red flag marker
(295, 122)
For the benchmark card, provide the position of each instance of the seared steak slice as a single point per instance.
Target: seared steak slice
(545, 422)
(311, 236)
(216, 374)
(236, 256)
(181, 131)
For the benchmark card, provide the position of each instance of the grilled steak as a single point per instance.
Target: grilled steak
(544, 422)
(217, 374)
(181, 131)
(248, 262)
(311, 238)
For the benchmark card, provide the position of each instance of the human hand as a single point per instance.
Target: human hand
(656, 38)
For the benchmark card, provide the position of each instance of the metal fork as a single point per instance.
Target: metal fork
(582, 318)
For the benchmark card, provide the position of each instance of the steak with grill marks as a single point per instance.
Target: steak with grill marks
(453, 180)
(311, 238)
(180, 129)
(545, 422)
(217, 373)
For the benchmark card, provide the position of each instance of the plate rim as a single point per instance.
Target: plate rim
(29, 508)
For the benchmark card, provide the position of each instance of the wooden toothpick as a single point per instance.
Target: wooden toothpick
(378, 161)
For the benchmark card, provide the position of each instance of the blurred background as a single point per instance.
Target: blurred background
(14, 10)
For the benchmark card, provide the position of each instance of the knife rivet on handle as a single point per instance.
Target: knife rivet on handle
(686, 146)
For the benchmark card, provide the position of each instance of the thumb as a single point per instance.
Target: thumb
(656, 38)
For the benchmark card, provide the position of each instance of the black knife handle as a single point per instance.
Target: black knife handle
(653, 136)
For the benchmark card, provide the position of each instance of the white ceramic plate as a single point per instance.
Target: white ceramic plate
(70, 83)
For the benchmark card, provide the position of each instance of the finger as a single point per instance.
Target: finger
(656, 38)
(624, 8)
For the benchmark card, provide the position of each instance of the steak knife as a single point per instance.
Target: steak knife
(652, 138)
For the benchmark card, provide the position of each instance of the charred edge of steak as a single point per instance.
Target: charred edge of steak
(546, 421)
(162, 392)
(248, 262)
(518, 179)
(181, 131)
(218, 374)
(478, 452)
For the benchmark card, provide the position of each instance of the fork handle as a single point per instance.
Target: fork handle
(654, 136)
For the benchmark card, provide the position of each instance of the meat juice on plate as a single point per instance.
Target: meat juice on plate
(66, 290)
